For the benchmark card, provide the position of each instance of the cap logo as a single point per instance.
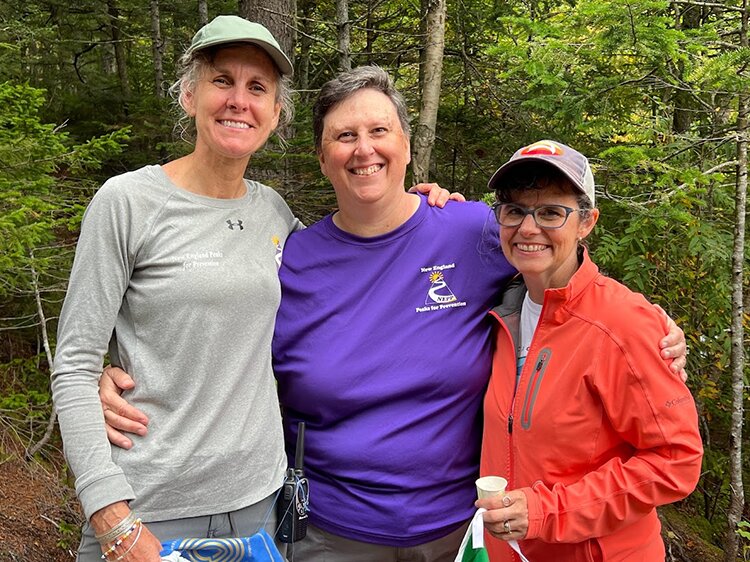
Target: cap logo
(543, 147)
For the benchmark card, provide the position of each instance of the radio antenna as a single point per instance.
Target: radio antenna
(299, 455)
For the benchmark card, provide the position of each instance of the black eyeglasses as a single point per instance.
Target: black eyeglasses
(546, 216)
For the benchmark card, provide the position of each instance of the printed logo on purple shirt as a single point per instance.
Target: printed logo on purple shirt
(439, 294)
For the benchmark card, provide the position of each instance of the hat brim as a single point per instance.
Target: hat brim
(277, 56)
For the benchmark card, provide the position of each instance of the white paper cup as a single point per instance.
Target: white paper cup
(488, 486)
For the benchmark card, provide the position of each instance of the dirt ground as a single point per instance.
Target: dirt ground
(39, 516)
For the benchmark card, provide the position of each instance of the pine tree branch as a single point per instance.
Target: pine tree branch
(31, 451)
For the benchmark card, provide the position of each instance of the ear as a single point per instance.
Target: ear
(187, 101)
(586, 226)
(322, 162)
(276, 115)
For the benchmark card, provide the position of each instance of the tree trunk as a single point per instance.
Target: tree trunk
(343, 30)
(737, 358)
(120, 58)
(424, 136)
(279, 16)
(307, 10)
(370, 33)
(202, 12)
(157, 49)
(424, 6)
(686, 18)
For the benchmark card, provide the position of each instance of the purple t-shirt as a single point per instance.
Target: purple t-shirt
(382, 348)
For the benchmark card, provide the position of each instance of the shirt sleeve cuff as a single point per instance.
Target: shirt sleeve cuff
(104, 492)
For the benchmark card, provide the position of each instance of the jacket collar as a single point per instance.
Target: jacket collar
(512, 297)
(581, 279)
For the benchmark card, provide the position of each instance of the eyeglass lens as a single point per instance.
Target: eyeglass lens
(546, 216)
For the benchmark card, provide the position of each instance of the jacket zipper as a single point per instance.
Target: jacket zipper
(533, 388)
(509, 468)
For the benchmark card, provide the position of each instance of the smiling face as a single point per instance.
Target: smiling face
(234, 103)
(364, 151)
(546, 258)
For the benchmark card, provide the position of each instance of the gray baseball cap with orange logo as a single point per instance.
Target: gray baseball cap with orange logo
(569, 161)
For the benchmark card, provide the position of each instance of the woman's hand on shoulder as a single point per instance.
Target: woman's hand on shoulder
(436, 195)
(507, 517)
(673, 346)
(120, 417)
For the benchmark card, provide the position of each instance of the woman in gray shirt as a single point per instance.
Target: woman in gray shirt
(177, 266)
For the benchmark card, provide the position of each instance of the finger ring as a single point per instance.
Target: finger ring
(506, 526)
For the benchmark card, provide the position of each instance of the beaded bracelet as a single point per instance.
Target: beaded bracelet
(122, 538)
(117, 530)
(132, 545)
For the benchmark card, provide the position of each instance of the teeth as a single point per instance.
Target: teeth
(367, 171)
(531, 247)
(235, 124)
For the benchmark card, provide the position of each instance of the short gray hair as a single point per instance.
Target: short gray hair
(348, 83)
(192, 66)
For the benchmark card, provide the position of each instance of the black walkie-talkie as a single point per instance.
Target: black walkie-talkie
(294, 496)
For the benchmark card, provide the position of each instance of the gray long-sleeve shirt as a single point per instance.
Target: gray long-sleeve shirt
(189, 286)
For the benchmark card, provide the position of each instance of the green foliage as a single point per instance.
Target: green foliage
(720, 72)
(69, 534)
(41, 173)
(743, 530)
(25, 401)
(43, 189)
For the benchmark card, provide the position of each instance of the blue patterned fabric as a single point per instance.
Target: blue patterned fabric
(258, 548)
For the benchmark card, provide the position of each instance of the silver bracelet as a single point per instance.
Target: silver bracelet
(117, 530)
(132, 545)
(121, 539)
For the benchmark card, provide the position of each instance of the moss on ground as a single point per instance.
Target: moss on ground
(687, 536)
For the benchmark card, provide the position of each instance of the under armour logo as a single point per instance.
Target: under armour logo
(233, 224)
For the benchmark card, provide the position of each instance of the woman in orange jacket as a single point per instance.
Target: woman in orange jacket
(590, 440)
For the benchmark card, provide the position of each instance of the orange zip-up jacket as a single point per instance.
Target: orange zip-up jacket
(599, 431)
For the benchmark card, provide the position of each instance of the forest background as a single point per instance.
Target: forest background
(654, 92)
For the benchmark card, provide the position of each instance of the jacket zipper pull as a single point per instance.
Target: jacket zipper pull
(510, 423)
(541, 361)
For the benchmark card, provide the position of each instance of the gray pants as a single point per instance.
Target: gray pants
(321, 546)
(241, 523)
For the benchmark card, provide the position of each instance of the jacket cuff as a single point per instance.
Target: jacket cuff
(536, 517)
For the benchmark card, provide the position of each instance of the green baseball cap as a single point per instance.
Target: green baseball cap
(234, 29)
